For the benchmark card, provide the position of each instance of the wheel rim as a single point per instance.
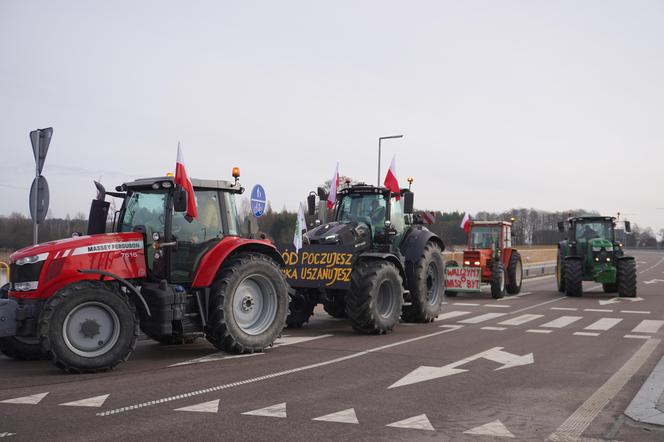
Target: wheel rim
(91, 329)
(385, 301)
(255, 304)
(432, 283)
(519, 274)
(502, 281)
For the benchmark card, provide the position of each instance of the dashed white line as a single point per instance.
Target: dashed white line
(450, 315)
(598, 310)
(570, 309)
(467, 304)
(586, 334)
(561, 322)
(494, 328)
(636, 337)
(481, 318)
(636, 312)
(536, 330)
(497, 305)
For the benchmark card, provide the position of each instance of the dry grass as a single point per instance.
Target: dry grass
(4, 255)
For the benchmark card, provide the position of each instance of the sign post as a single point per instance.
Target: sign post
(39, 196)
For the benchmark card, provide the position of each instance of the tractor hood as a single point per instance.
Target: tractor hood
(597, 243)
(340, 232)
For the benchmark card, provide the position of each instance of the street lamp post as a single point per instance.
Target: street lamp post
(379, 146)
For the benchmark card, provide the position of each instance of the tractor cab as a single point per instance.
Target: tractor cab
(487, 241)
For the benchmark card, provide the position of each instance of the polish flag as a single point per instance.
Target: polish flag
(465, 223)
(391, 178)
(182, 180)
(334, 185)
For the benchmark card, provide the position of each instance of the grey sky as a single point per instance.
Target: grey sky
(543, 104)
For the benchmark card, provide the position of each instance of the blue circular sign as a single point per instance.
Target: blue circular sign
(258, 200)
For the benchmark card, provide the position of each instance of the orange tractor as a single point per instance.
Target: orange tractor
(489, 259)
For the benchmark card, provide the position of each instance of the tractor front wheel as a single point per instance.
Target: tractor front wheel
(449, 293)
(426, 289)
(560, 272)
(376, 297)
(300, 310)
(88, 327)
(515, 272)
(573, 277)
(249, 304)
(626, 278)
(498, 280)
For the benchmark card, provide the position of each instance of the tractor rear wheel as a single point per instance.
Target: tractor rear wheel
(573, 277)
(300, 310)
(560, 272)
(337, 306)
(22, 348)
(449, 293)
(626, 278)
(610, 287)
(249, 304)
(498, 280)
(88, 327)
(515, 273)
(375, 298)
(426, 290)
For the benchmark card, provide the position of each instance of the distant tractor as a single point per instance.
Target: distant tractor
(82, 301)
(371, 264)
(490, 259)
(591, 253)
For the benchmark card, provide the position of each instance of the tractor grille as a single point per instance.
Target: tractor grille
(26, 272)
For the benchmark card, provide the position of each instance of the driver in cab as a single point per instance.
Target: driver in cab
(377, 213)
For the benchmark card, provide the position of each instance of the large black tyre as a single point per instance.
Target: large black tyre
(426, 289)
(23, 349)
(610, 287)
(374, 302)
(249, 304)
(449, 293)
(626, 278)
(498, 280)
(573, 277)
(300, 310)
(515, 273)
(560, 272)
(77, 315)
(336, 307)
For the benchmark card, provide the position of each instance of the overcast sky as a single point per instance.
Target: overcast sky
(544, 104)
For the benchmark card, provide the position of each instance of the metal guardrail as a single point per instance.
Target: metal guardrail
(4, 273)
(539, 269)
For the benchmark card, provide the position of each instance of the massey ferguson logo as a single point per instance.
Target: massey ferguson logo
(109, 247)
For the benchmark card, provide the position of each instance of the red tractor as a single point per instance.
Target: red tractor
(490, 259)
(82, 301)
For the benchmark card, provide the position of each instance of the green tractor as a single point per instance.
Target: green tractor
(591, 253)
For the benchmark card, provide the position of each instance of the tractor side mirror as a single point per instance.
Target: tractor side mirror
(561, 226)
(408, 202)
(180, 200)
(628, 227)
(311, 204)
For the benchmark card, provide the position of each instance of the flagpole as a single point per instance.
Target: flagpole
(380, 139)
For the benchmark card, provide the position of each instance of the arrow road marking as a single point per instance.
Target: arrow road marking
(5, 434)
(278, 410)
(653, 281)
(496, 354)
(205, 407)
(27, 400)
(94, 402)
(420, 422)
(344, 417)
(495, 429)
(615, 300)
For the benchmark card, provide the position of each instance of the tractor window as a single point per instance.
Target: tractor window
(231, 213)
(196, 237)
(365, 208)
(507, 235)
(590, 230)
(484, 237)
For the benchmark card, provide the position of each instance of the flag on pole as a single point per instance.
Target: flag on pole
(334, 185)
(465, 223)
(182, 180)
(300, 225)
(428, 217)
(391, 181)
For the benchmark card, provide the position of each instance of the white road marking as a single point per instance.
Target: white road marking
(636, 337)
(561, 322)
(570, 309)
(653, 281)
(495, 354)
(481, 318)
(535, 330)
(636, 312)
(420, 422)
(292, 340)
(577, 423)
(5, 434)
(497, 305)
(603, 324)
(494, 328)
(586, 334)
(344, 417)
(205, 407)
(618, 299)
(277, 410)
(599, 310)
(218, 356)
(33, 399)
(94, 402)
(448, 329)
(494, 429)
(466, 304)
(648, 326)
(450, 315)
(520, 319)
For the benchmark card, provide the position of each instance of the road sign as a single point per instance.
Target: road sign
(463, 279)
(42, 199)
(41, 139)
(258, 200)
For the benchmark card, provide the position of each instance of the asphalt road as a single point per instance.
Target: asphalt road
(536, 366)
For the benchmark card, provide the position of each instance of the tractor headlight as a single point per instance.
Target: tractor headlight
(597, 259)
(608, 259)
(332, 237)
(477, 263)
(466, 263)
(25, 286)
(31, 259)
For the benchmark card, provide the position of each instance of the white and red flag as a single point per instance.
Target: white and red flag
(465, 223)
(334, 185)
(428, 217)
(182, 180)
(391, 181)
